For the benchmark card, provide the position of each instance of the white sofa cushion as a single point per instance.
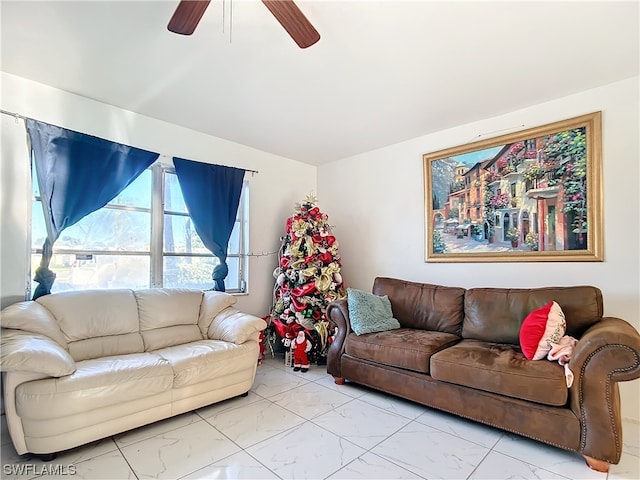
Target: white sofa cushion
(166, 307)
(93, 313)
(205, 360)
(168, 316)
(96, 383)
(168, 336)
(106, 346)
(94, 322)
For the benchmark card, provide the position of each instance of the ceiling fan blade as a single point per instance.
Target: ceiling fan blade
(293, 21)
(187, 16)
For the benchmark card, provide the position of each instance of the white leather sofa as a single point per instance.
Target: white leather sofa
(80, 366)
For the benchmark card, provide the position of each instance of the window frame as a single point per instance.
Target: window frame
(156, 253)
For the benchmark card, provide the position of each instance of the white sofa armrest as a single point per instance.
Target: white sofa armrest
(232, 325)
(28, 352)
(30, 316)
(213, 303)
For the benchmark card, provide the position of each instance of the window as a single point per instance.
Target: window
(143, 238)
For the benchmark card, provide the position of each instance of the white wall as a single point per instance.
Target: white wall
(14, 210)
(377, 205)
(273, 192)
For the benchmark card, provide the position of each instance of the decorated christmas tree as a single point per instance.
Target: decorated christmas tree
(307, 278)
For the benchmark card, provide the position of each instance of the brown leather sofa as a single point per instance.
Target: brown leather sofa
(458, 350)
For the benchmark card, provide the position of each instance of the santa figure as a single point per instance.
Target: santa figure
(301, 346)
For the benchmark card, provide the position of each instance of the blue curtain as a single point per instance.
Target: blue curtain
(77, 174)
(212, 195)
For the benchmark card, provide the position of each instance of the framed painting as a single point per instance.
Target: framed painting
(534, 195)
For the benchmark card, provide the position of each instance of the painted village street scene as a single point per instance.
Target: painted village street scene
(530, 195)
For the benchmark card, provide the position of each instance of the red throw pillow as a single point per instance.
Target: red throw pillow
(540, 329)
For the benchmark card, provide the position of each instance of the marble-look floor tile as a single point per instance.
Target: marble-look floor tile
(631, 437)
(254, 422)
(86, 452)
(344, 422)
(314, 373)
(431, 453)
(276, 362)
(497, 466)
(272, 382)
(232, 403)
(627, 469)
(305, 451)
(349, 388)
(461, 427)
(310, 400)
(178, 452)
(268, 362)
(372, 467)
(4, 430)
(239, 466)
(394, 404)
(556, 460)
(108, 466)
(156, 428)
(15, 465)
(361, 423)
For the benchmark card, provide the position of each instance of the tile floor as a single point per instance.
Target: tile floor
(302, 425)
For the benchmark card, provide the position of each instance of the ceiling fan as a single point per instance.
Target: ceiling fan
(189, 12)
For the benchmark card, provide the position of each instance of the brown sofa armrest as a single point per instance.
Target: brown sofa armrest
(607, 353)
(338, 313)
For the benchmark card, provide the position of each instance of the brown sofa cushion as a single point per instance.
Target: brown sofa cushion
(496, 314)
(500, 369)
(403, 348)
(423, 306)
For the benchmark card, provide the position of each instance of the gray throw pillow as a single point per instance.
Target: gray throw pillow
(369, 313)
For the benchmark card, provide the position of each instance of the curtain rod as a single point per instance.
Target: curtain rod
(18, 116)
(13, 114)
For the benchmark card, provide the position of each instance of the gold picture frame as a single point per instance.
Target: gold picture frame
(530, 196)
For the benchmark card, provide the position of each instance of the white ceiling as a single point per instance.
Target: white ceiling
(383, 71)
